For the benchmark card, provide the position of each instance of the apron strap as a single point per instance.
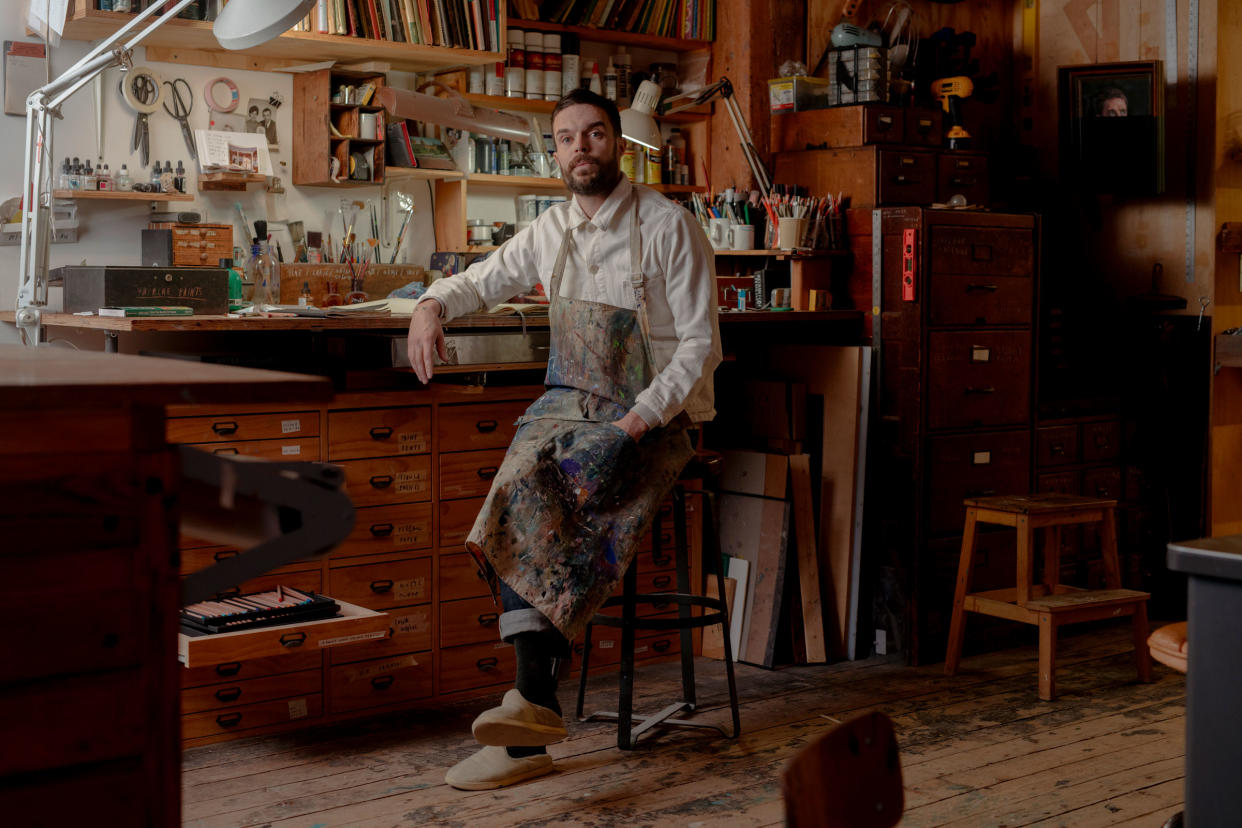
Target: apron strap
(639, 283)
(558, 270)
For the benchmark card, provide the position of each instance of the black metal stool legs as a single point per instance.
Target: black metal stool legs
(715, 611)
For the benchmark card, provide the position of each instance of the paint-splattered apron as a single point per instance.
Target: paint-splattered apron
(576, 494)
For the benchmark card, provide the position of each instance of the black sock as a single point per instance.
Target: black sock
(537, 654)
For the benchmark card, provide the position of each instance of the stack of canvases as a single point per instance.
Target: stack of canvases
(790, 510)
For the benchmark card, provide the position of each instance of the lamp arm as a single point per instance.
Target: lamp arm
(41, 106)
(724, 88)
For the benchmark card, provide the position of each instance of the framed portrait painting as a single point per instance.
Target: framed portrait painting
(1112, 127)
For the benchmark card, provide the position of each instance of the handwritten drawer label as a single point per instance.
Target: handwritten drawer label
(379, 668)
(606, 644)
(409, 624)
(982, 458)
(290, 426)
(288, 451)
(352, 639)
(410, 588)
(409, 443)
(407, 534)
(978, 353)
(297, 709)
(409, 482)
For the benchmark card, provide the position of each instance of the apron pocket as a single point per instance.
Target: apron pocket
(587, 465)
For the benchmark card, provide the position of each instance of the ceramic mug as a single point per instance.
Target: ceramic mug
(718, 233)
(741, 237)
(789, 232)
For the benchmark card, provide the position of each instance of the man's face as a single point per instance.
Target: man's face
(1114, 108)
(267, 114)
(587, 150)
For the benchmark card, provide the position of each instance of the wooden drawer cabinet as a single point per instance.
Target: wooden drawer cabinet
(379, 529)
(470, 621)
(476, 665)
(974, 465)
(379, 432)
(379, 586)
(251, 716)
(841, 126)
(1104, 482)
(960, 300)
(386, 480)
(978, 378)
(254, 668)
(192, 560)
(232, 694)
(1056, 445)
(409, 630)
(871, 174)
(379, 682)
(982, 251)
(924, 127)
(234, 427)
(479, 425)
(461, 577)
(606, 644)
(469, 473)
(287, 449)
(1065, 482)
(964, 174)
(456, 520)
(1101, 441)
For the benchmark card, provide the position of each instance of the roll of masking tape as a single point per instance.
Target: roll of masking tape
(209, 95)
(146, 77)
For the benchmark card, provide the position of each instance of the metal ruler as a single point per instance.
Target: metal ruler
(1189, 108)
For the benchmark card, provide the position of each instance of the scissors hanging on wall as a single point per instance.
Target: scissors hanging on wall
(181, 109)
(141, 88)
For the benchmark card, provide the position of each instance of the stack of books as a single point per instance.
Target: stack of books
(464, 24)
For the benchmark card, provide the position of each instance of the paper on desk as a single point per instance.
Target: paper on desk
(213, 149)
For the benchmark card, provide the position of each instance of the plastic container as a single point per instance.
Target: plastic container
(534, 65)
(552, 65)
(797, 94)
(527, 207)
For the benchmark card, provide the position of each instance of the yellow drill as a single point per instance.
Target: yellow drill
(951, 91)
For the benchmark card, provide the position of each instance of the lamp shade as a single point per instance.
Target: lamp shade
(242, 25)
(637, 123)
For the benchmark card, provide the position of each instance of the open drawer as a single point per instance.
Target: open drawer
(354, 625)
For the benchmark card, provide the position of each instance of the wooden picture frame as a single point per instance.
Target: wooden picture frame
(1112, 127)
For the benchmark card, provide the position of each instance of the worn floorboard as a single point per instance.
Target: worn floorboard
(978, 749)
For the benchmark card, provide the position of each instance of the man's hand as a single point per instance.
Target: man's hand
(426, 339)
(633, 425)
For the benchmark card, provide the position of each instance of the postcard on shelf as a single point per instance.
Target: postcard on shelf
(241, 152)
(431, 153)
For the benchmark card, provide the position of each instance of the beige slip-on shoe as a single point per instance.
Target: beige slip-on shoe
(493, 767)
(518, 723)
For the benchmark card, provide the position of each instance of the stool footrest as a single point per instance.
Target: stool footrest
(1087, 598)
(644, 723)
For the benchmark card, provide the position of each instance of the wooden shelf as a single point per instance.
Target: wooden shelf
(228, 181)
(516, 182)
(663, 44)
(192, 42)
(423, 174)
(117, 195)
(786, 254)
(677, 189)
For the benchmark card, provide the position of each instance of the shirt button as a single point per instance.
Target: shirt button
(595, 268)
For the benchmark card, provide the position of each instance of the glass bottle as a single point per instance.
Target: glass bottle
(104, 180)
(332, 299)
(304, 298)
(179, 177)
(250, 285)
(534, 65)
(356, 294)
(267, 271)
(610, 82)
(124, 183)
(63, 183)
(166, 177)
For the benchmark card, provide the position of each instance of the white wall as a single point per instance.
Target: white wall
(110, 232)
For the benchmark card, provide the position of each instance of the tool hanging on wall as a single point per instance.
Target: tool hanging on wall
(141, 89)
(181, 109)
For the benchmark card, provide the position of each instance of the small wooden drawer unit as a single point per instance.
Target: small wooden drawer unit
(479, 425)
(251, 716)
(469, 473)
(978, 378)
(1092, 441)
(873, 175)
(231, 428)
(192, 245)
(383, 480)
(840, 126)
(476, 665)
(964, 174)
(382, 585)
(352, 624)
(379, 432)
(1056, 445)
(924, 127)
(379, 681)
(231, 671)
(248, 691)
(379, 529)
(470, 621)
(409, 630)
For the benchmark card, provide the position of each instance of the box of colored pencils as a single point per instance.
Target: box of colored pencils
(282, 605)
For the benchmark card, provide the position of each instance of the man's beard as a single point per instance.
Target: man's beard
(601, 181)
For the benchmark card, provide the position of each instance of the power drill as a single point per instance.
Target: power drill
(951, 92)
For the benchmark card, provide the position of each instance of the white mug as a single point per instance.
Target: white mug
(366, 126)
(742, 237)
(718, 233)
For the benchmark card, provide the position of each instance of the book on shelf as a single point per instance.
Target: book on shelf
(682, 19)
(430, 153)
(148, 310)
(466, 24)
(399, 151)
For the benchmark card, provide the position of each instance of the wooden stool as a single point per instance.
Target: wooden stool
(1050, 604)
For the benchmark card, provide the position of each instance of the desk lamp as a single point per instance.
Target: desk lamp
(242, 24)
(638, 123)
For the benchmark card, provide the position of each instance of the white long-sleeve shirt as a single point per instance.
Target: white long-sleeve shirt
(681, 293)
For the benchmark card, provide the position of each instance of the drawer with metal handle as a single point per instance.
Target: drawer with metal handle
(978, 378)
(476, 665)
(469, 473)
(251, 716)
(409, 630)
(232, 694)
(380, 586)
(472, 621)
(383, 480)
(379, 432)
(974, 465)
(379, 529)
(478, 425)
(229, 428)
(379, 682)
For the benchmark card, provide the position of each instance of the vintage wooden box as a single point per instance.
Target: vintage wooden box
(89, 288)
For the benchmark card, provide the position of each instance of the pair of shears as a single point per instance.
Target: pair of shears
(141, 90)
(181, 109)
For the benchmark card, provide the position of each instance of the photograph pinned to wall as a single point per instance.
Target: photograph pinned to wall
(261, 118)
(1112, 127)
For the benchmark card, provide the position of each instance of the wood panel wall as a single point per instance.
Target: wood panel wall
(1226, 447)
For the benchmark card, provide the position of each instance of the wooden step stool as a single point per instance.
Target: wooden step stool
(1050, 604)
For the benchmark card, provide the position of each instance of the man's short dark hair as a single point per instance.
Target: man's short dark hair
(586, 96)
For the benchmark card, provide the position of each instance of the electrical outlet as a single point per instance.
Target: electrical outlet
(881, 642)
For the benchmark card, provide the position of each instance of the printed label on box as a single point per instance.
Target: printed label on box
(350, 639)
(290, 426)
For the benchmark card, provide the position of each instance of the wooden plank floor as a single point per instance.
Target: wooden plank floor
(978, 750)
